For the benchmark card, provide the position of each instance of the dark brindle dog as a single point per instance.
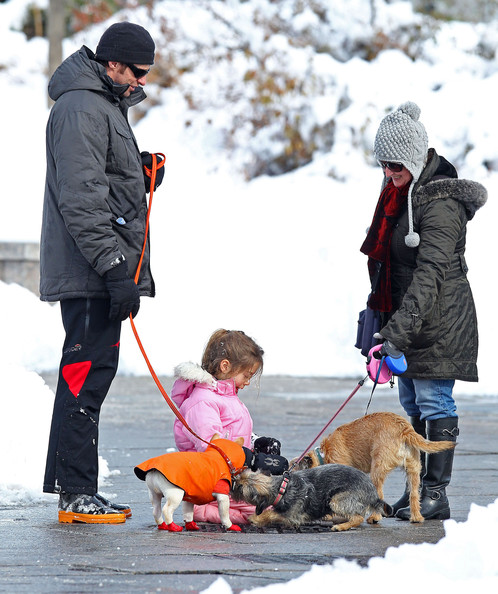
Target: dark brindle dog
(306, 495)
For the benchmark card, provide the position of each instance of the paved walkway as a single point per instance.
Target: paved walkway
(37, 554)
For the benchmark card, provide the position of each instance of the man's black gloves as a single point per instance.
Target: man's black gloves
(147, 164)
(125, 298)
(267, 445)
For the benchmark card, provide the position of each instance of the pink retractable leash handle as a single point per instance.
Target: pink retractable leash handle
(377, 369)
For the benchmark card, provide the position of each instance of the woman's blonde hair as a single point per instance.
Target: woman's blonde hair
(235, 346)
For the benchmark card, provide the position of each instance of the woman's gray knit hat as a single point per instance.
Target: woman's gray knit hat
(401, 138)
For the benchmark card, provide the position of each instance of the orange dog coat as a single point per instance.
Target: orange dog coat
(199, 474)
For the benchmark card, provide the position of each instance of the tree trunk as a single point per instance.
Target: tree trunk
(56, 28)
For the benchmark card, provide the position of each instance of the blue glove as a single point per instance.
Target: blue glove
(394, 358)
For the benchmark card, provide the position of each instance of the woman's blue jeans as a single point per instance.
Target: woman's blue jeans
(427, 399)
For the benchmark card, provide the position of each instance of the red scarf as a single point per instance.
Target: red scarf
(377, 245)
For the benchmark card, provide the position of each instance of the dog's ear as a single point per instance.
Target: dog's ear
(215, 436)
(239, 441)
(306, 462)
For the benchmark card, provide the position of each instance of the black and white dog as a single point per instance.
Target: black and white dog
(305, 495)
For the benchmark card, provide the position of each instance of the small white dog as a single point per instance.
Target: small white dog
(194, 478)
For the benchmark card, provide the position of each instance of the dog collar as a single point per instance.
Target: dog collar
(319, 455)
(281, 491)
(236, 471)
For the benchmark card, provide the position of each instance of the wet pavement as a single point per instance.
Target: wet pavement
(37, 554)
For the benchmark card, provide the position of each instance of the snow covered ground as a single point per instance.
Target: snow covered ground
(277, 257)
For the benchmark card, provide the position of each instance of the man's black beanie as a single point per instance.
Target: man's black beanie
(126, 42)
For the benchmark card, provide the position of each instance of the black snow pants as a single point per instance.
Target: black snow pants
(89, 363)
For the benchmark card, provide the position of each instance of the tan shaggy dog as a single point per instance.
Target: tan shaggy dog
(377, 444)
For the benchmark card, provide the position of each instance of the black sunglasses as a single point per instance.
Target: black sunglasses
(394, 167)
(137, 72)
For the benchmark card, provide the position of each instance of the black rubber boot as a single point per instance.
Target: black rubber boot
(404, 501)
(434, 503)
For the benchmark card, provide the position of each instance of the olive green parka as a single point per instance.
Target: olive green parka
(433, 320)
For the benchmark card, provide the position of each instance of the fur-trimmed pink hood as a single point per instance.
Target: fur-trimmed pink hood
(189, 374)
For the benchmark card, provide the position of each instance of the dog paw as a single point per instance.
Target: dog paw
(234, 528)
(170, 527)
(191, 526)
(342, 527)
(374, 519)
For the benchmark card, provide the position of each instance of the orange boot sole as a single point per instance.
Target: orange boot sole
(71, 518)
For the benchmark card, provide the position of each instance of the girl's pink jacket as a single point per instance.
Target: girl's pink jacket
(209, 406)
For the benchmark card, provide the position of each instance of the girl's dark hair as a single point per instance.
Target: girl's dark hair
(236, 347)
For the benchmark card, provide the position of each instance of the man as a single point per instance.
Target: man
(92, 235)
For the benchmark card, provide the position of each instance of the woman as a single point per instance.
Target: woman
(416, 247)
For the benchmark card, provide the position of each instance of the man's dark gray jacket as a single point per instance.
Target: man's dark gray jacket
(95, 203)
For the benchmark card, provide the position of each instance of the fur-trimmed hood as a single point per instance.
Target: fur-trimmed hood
(193, 372)
(471, 194)
(187, 375)
(439, 179)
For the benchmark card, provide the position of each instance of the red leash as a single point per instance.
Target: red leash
(358, 386)
(152, 174)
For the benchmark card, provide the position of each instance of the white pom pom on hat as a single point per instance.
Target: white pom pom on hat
(402, 138)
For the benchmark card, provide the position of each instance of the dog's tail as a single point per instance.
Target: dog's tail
(414, 440)
(382, 508)
(385, 509)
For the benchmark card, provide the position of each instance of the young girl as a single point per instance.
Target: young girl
(207, 397)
